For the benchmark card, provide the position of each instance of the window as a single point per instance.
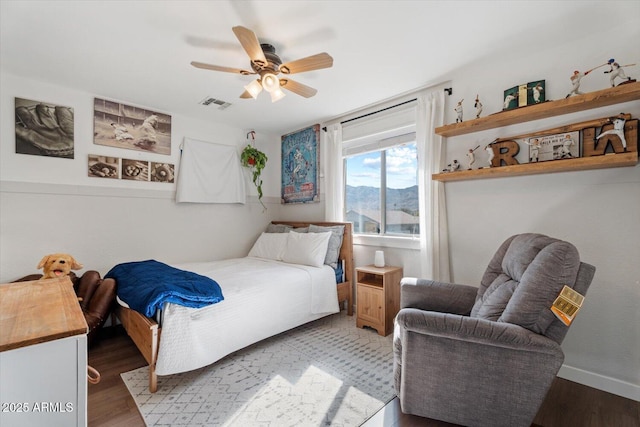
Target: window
(377, 160)
(381, 187)
(370, 137)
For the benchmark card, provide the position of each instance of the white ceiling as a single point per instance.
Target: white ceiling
(139, 52)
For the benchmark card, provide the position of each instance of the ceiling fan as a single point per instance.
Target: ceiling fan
(267, 64)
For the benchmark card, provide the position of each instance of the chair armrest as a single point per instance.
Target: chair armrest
(437, 296)
(471, 371)
(475, 330)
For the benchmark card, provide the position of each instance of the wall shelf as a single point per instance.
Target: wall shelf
(623, 93)
(615, 95)
(566, 165)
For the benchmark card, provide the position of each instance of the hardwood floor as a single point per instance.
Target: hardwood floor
(109, 401)
(567, 404)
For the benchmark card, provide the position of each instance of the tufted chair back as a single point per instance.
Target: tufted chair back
(523, 279)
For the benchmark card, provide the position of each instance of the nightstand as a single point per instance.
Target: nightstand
(377, 297)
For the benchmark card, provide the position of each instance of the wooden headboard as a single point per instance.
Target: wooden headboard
(346, 250)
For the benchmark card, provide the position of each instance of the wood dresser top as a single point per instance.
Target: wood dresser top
(39, 311)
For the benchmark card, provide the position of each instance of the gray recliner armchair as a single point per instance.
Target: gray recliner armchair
(487, 355)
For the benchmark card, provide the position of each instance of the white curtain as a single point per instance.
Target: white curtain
(434, 241)
(333, 179)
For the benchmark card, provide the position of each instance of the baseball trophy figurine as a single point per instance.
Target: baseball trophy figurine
(537, 93)
(618, 129)
(616, 70)
(452, 167)
(567, 143)
(471, 156)
(507, 100)
(577, 77)
(458, 111)
(489, 149)
(478, 106)
(534, 150)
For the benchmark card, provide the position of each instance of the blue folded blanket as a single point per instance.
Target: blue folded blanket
(146, 285)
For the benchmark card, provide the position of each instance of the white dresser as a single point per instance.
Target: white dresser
(43, 355)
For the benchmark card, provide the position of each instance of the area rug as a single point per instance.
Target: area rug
(327, 372)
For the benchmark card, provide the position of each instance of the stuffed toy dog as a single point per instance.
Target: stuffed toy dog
(58, 265)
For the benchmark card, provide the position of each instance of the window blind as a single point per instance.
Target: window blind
(379, 130)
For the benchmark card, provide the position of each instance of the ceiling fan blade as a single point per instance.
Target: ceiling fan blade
(219, 68)
(310, 63)
(251, 45)
(298, 88)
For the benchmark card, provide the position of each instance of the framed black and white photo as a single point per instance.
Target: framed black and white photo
(162, 172)
(135, 170)
(134, 128)
(44, 129)
(103, 167)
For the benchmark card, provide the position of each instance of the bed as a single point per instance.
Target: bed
(262, 298)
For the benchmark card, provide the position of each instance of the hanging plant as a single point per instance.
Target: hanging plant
(255, 160)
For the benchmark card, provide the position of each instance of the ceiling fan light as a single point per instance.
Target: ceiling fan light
(277, 95)
(270, 82)
(254, 88)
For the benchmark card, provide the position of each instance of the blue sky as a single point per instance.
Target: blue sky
(364, 169)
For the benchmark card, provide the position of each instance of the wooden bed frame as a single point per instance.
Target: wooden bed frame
(145, 332)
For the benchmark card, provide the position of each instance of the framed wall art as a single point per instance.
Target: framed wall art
(536, 92)
(525, 94)
(135, 170)
(130, 169)
(510, 98)
(300, 166)
(104, 167)
(134, 128)
(44, 129)
(162, 172)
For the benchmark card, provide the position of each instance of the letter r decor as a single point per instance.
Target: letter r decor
(506, 152)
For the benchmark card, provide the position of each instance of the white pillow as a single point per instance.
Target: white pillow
(269, 246)
(306, 248)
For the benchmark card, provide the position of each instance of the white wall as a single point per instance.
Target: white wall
(50, 205)
(597, 211)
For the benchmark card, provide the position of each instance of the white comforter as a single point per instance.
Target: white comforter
(262, 298)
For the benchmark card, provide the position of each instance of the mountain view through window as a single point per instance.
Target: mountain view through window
(392, 211)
